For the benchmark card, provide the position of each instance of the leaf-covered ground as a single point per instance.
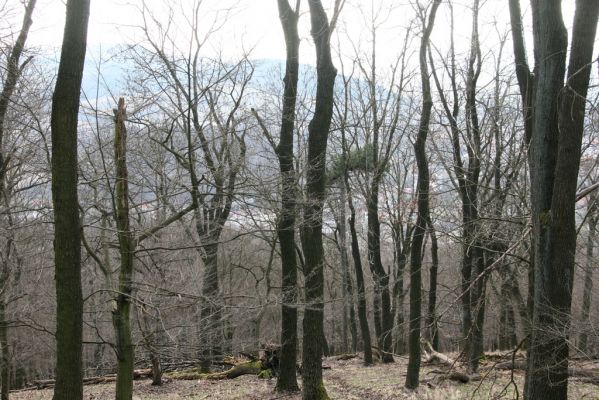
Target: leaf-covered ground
(344, 380)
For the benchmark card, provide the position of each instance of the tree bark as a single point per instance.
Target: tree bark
(355, 248)
(401, 250)
(527, 86)
(432, 326)
(318, 132)
(507, 338)
(413, 373)
(67, 227)
(287, 380)
(347, 284)
(211, 313)
(121, 313)
(588, 277)
(474, 292)
(554, 158)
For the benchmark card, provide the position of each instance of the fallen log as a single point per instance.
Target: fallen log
(344, 357)
(588, 375)
(458, 376)
(431, 355)
(247, 368)
(92, 380)
(255, 367)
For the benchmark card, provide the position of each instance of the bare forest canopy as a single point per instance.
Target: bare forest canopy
(199, 190)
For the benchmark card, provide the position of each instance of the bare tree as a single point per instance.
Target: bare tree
(412, 376)
(554, 157)
(318, 132)
(287, 380)
(67, 227)
(205, 133)
(14, 69)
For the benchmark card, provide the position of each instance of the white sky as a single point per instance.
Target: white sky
(254, 25)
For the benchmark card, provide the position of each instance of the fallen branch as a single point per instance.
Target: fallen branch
(92, 380)
(431, 355)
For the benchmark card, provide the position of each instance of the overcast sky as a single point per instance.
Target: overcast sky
(254, 24)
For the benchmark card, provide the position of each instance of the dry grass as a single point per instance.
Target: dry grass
(346, 380)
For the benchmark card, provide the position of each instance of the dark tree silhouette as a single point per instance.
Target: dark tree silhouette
(412, 376)
(67, 227)
(554, 157)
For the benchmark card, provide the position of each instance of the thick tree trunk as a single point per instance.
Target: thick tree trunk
(67, 227)
(546, 376)
(287, 380)
(413, 373)
(121, 314)
(211, 312)
(555, 153)
(318, 132)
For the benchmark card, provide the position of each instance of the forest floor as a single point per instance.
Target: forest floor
(345, 380)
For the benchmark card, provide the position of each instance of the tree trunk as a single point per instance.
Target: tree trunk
(478, 303)
(588, 278)
(376, 310)
(527, 86)
(355, 247)
(474, 281)
(211, 309)
(318, 132)
(67, 227)
(4, 355)
(413, 373)
(348, 287)
(156, 369)
(121, 314)
(432, 327)
(13, 72)
(554, 158)
(507, 338)
(149, 342)
(383, 319)
(401, 250)
(287, 380)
